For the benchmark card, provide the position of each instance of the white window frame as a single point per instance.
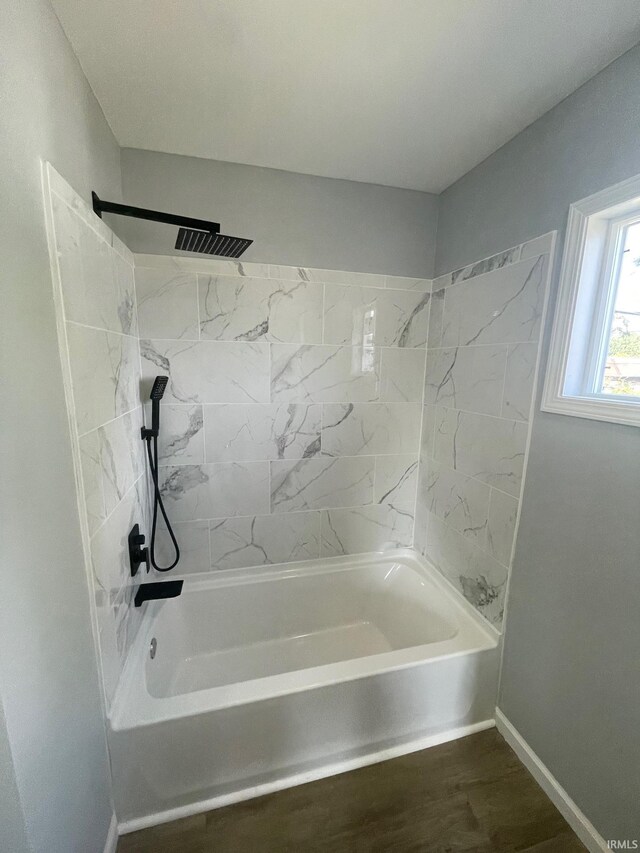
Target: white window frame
(586, 299)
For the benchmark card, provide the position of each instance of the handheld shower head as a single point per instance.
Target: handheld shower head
(159, 384)
(150, 436)
(157, 393)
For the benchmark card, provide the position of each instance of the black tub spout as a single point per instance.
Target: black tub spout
(153, 591)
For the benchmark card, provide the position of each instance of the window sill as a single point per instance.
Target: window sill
(595, 409)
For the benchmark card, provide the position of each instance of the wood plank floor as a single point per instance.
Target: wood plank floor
(469, 795)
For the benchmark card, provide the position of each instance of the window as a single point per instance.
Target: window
(594, 359)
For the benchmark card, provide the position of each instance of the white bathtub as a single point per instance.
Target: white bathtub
(267, 677)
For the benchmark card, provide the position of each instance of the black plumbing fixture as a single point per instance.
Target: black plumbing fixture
(137, 553)
(194, 235)
(151, 437)
(155, 591)
(157, 393)
(189, 240)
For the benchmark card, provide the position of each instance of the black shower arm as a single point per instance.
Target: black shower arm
(100, 207)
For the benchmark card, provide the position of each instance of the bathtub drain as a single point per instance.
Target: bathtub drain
(154, 646)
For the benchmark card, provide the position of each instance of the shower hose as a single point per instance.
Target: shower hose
(157, 502)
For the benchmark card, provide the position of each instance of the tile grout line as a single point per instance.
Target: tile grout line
(102, 329)
(471, 477)
(294, 459)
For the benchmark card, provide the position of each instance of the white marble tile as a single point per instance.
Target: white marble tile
(490, 449)
(396, 480)
(120, 456)
(501, 528)
(167, 304)
(469, 378)
(252, 309)
(478, 576)
(201, 264)
(538, 246)
(92, 480)
(208, 371)
(504, 306)
(105, 375)
(495, 262)
(352, 429)
(461, 501)
(193, 492)
(243, 433)
(97, 282)
(363, 279)
(427, 437)
(518, 383)
(359, 316)
(239, 268)
(324, 374)
(264, 540)
(420, 527)
(86, 271)
(68, 232)
(402, 375)
(404, 283)
(181, 439)
(193, 541)
(108, 647)
(109, 546)
(436, 310)
(111, 664)
(367, 528)
(83, 210)
(125, 294)
(321, 483)
(127, 620)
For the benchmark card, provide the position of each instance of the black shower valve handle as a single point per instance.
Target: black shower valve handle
(137, 553)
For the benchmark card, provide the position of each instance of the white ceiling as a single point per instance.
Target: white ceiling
(407, 93)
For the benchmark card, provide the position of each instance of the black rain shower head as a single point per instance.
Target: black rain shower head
(211, 244)
(194, 235)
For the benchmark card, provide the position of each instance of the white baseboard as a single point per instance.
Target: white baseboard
(579, 823)
(111, 843)
(322, 772)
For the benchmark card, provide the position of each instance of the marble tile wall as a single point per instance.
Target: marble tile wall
(96, 312)
(291, 421)
(483, 344)
(299, 419)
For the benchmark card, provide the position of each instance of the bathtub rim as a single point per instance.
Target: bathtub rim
(133, 707)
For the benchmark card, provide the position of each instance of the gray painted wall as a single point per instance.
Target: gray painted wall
(589, 141)
(297, 220)
(13, 833)
(52, 727)
(570, 671)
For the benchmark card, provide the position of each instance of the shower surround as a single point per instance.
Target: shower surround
(290, 426)
(483, 352)
(94, 294)
(298, 413)
(291, 422)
